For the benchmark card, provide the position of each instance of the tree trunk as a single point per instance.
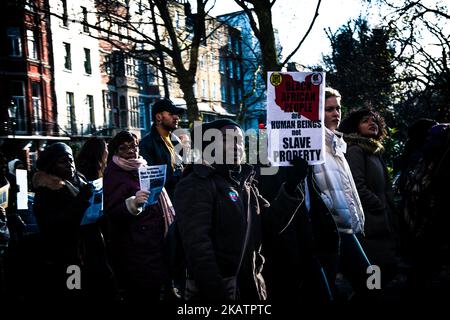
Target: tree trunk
(267, 37)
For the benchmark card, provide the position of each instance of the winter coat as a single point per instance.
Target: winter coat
(335, 181)
(154, 150)
(58, 214)
(212, 219)
(374, 188)
(136, 241)
(211, 209)
(304, 241)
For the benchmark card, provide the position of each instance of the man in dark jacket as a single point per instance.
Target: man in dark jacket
(221, 216)
(158, 146)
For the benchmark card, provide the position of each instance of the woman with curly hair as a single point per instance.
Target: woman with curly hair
(364, 131)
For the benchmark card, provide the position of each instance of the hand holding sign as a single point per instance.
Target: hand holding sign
(151, 179)
(295, 174)
(141, 198)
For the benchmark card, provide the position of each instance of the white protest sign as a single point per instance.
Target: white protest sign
(22, 195)
(295, 114)
(95, 209)
(152, 178)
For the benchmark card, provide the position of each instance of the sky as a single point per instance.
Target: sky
(293, 17)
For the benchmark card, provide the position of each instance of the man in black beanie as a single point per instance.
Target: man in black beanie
(61, 199)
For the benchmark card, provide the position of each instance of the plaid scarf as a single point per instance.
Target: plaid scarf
(167, 208)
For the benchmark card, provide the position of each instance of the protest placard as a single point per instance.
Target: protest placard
(95, 209)
(22, 183)
(4, 191)
(152, 179)
(295, 113)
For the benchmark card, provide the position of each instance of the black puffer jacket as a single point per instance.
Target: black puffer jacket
(211, 210)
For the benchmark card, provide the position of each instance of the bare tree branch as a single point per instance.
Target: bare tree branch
(316, 14)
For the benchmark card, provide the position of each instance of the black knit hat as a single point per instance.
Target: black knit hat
(165, 105)
(216, 124)
(51, 154)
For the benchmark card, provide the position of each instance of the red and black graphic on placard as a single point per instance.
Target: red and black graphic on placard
(300, 97)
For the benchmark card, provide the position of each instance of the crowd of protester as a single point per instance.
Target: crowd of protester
(220, 230)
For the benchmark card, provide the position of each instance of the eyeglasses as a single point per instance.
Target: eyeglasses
(126, 147)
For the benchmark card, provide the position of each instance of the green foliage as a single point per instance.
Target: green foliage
(360, 65)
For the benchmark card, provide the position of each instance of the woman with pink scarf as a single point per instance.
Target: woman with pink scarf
(136, 232)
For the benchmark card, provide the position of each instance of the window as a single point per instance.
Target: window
(151, 72)
(65, 17)
(204, 88)
(232, 98)
(202, 61)
(90, 103)
(213, 60)
(107, 108)
(222, 65)
(18, 98)
(223, 92)
(219, 37)
(14, 42)
(238, 72)
(122, 30)
(85, 19)
(37, 107)
(239, 91)
(214, 91)
(87, 61)
(71, 121)
(230, 44)
(142, 115)
(230, 68)
(210, 33)
(177, 20)
(133, 111)
(31, 42)
(107, 64)
(130, 67)
(67, 56)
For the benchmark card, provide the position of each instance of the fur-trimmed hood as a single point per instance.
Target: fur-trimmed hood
(43, 179)
(369, 145)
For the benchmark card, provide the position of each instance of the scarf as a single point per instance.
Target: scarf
(167, 208)
(11, 166)
(165, 136)
(129, 164)
(370, 145)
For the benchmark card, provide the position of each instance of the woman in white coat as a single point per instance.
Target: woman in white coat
(339, 192)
